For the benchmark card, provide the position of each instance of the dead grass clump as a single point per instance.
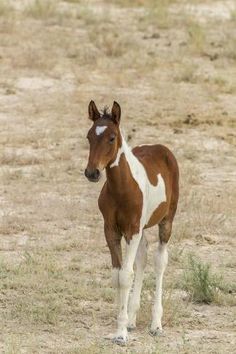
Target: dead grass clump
(5, 8)
(174, 308)
(158, 14)
(8, 174)
(186, 74)
(223, 85)
(15, 159)
(229, 49)
(233, 15)
(12, 224)
(176, 254)
(197, 37)
(42, 9)
(92, 18)
(110, 42)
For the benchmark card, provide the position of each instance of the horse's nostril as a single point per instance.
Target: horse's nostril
(92, 175)
(96, 173)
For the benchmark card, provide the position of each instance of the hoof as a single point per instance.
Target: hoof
(156, 332)
(119, 341)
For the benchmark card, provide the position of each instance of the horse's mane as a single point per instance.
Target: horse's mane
(105, 113)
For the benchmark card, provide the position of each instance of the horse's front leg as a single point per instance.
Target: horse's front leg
(126, 274)
(113, 238)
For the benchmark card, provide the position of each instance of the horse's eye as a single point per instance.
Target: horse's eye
(112, 139)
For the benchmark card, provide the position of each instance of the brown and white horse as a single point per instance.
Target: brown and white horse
(141, 190)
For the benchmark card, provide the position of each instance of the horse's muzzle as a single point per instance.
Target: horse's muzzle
(92, 175)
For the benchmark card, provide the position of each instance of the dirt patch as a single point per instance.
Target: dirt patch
(169, 64)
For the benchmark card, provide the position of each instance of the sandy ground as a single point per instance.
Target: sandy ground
(172, 68)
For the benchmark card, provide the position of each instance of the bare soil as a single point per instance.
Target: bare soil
(172, 67)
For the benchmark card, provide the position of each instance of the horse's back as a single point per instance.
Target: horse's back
(156, 157)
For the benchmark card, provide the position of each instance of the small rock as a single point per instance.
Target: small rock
(190, 119)
(214, 56)
(177, 131)
(155, 35)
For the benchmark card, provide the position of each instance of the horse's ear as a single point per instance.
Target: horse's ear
(93, 111)
(116, 112)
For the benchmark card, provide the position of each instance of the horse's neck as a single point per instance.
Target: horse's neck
(119, 177)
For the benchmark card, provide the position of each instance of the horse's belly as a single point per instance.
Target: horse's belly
(157, 215)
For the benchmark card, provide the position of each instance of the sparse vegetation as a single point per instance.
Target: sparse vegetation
(200, 283)
(5, 8)
(111, 44)
(171, 69)
(197, 37)
(158, 15)
(186, 74)
(42, 9)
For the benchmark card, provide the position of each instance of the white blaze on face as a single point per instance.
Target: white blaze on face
(100, 129)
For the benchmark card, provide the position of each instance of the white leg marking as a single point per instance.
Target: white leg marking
(115, 277)
(100, 129)
(125, 282)
(140, 263)
(161, 260)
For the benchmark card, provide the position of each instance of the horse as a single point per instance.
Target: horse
(141, 190)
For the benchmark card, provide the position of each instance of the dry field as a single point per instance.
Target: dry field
(171, 65)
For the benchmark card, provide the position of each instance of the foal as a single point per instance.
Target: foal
(141, 190)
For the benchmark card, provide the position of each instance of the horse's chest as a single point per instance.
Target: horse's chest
(129, 212)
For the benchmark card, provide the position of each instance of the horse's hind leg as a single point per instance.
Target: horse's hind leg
(161, 260)
(134, 302)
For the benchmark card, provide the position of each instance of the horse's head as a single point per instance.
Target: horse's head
(104, 139)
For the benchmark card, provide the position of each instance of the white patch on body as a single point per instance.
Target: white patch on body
(100, 129)
(153, 196)
(145, 145)
(117, 160)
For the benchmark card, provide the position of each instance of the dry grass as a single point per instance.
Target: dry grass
(111, 43)
(5, 8)
(197, 37)
(157, 15)
(186, 74)
(42, 9)
(172, 74)
(12, 224)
